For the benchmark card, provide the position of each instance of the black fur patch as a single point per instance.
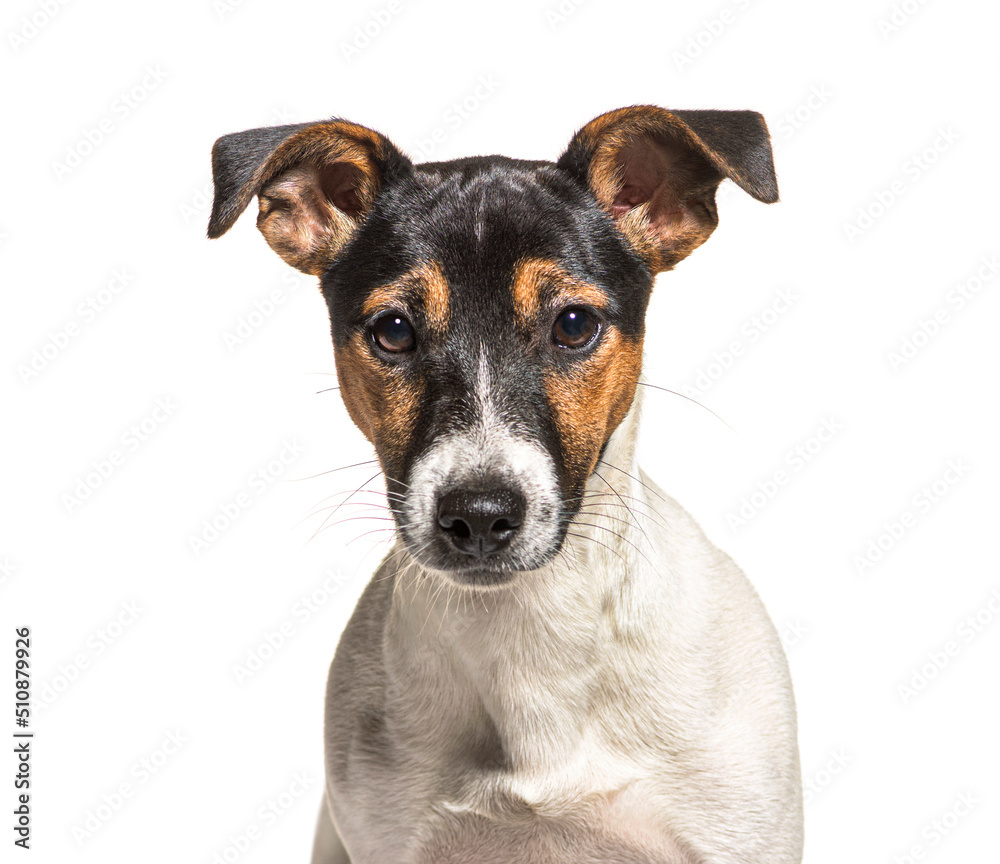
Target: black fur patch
(478, 218)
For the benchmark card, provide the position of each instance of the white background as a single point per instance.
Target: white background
(885, 132)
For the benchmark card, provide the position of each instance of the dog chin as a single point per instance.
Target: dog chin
(482, 575)
(482, 579)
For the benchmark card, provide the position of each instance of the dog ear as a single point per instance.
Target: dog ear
(656, 171)
(314, 183)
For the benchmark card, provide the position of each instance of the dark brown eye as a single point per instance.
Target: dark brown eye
(574, 328)
(393, 333)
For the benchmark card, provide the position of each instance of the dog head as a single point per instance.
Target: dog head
(487, 313)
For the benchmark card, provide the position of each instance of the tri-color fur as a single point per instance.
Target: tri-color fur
(490, 426)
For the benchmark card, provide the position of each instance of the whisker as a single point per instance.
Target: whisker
(431, 603)
(619, 536)
(588, 512)
(373, 531)
(649, 516)
(342, 503)
(635, 519)
(597, 493)
(359, 518)
(337, 522)
(318, 509)
(447, 606)
(683, 396)
(609, 499)
(598, 542)
(371, 505)
(360, 489)
(332, 470)
(637, 480)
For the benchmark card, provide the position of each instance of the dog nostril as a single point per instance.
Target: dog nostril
(460, 528)
(480, 522)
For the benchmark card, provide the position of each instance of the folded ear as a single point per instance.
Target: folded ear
(314, 182)
(656, 171)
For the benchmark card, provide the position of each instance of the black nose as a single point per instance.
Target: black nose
(480, 523)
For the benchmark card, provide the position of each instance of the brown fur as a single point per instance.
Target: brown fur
(314, 188)
(299, 222)
(436, 302)
(658, 178)
(651, 173)
(540, 283)
(424, 286)
(382, 401)
(589, 401)
(393, 296)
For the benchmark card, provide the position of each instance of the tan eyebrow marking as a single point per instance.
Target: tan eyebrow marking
(541, 282)
(436, 297)
(385, 297)
(424, 284)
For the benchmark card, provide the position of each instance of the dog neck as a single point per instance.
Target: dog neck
(532, 658)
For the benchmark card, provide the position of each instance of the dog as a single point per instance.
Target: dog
(552, 664)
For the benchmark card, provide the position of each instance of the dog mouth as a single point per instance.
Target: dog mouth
(475, 543)
(480, 509)
(482, 536)
(482, 579)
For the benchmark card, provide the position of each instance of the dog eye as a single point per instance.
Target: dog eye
(574, 328)
(393, 333)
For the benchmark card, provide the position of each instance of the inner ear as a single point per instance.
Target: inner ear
(664, 174)
(663, 197)
(655, 172)
(308, 212)
(639, 167)
(341, 183)
(315, 182)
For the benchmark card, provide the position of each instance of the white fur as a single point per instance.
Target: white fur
(628, 702)
(489, 450)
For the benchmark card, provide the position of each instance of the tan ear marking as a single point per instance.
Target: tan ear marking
(315, 183)
(299, 222)
(316, 187)
(655, 172)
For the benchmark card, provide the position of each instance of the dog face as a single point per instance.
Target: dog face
(487, 314)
